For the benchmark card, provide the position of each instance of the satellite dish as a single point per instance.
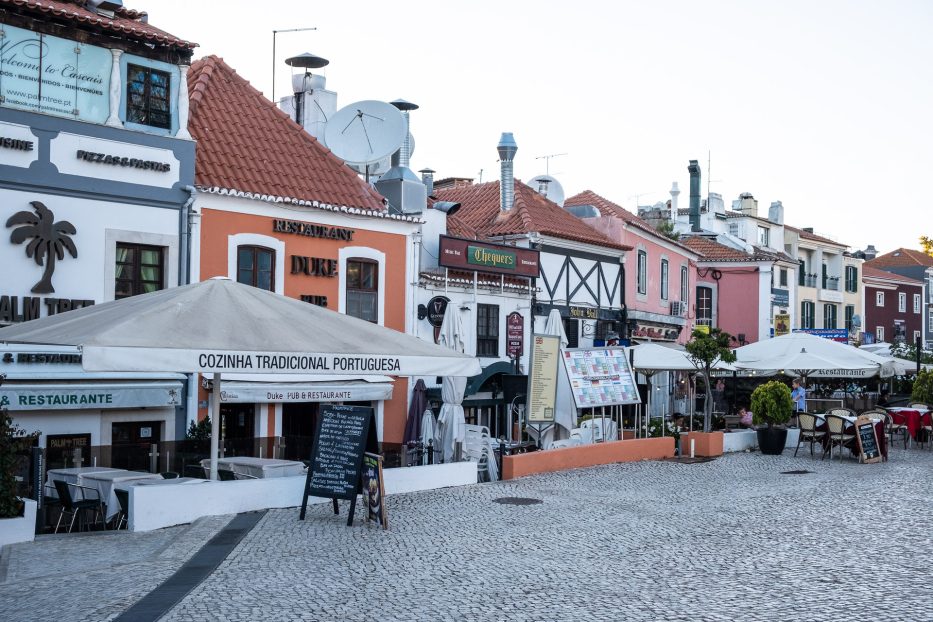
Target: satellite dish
(382, 166)
(549, 187)
(365, 132)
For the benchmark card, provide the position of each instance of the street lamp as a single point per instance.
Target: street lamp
(274, 33)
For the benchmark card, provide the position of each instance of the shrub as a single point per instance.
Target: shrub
(772, 404)
(923, 387)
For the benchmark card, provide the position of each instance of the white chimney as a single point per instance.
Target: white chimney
(506, 149)
(675, 193)
(776, 213)
(312, 104)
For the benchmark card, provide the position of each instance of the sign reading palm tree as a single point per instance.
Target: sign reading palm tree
(49, 241)
(706, 350)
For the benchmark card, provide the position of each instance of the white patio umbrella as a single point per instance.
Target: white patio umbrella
(782, 353)
(451, 423)
(220, 326)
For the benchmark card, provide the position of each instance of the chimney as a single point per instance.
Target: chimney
(675, 192)
(870, 252)
(404, 152)
(427, 178)
(776, 212)
(694, 170)
(506, 149)
(312, 104)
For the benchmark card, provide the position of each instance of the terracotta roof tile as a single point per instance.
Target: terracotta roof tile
(246, 144)
(901, 257)
(872, 272)
(607, 208)
(127, 22)
(711, 250)
(531, 212)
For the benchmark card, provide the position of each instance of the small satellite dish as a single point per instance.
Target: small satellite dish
(383, 165)
(365, 132)
(549, 187)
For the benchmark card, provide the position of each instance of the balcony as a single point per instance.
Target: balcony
(831, 283)
(808, 280)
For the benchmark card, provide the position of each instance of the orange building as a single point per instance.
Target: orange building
(277, 210)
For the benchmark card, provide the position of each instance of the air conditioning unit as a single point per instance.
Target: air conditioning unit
(678, 308)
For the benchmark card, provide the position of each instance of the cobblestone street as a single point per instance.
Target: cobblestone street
(732, 539)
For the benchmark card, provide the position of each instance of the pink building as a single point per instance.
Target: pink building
(660, 274)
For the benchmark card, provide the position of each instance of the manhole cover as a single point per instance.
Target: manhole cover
(517, 501)
(795, 472)
(689, 460)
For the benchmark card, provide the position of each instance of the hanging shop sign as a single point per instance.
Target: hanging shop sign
(494, 258)
(780, 297)
(436, 309)
(312, 230)
(514, 334)
(584, 313)
(51, 75)
(781, 324)
(656, 332)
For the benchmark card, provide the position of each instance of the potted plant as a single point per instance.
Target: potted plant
(17, 516)
(772, 406)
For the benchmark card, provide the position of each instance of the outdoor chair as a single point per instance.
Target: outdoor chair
(123, 498)
(836, 433)
(73, 506)
(892, 428)
(842, 412)
(225, 476)
(808, 431)
(169, 475)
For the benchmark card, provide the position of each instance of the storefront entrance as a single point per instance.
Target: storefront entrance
(238, 425)
(130, 444)
(299, 421)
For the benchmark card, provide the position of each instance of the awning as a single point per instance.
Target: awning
(89, 395)
(279, 392)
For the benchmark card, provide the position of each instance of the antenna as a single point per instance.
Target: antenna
(480, 175)
(547, 161)
(709, 175)
(275, 32)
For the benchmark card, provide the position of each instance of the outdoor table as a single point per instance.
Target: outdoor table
(70, 476)
(879, 432)
(105, 483)
(914, 419)
(260, 468)
(159, 482)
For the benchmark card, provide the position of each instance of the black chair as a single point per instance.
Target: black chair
(226, 476)
(169, 475)
(123, 498)
(74, 507)
(195, 470)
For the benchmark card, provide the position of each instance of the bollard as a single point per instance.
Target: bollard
(153, 458)
(77, 459)
(692, 448)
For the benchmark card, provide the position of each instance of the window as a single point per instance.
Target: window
(803, 274)
(879, 299)
(148, 97)
(901, 302)
(255, 265)
(139, 270)
(704, 315)
(764, 236)
(487, 330)
(642, 272)
(606, 330)
(850, 313)
(916, 303)
(684, 285)
(734, 229)
(807, 311)
(363, 289)
(783, 277)
(572, 330)
(851, 279)
(664, 279)
(879, 334)
(829, 316)
(930, 320)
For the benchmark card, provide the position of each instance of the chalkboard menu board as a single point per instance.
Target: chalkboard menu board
(344, 434)
(867, 439)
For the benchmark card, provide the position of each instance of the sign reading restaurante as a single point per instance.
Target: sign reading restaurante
(482, 257)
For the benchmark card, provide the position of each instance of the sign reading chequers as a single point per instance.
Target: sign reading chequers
(482, 257)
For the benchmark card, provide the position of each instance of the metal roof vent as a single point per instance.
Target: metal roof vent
(506, 148)
(404, 152)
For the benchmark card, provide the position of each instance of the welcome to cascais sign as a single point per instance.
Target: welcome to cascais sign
(56, 76)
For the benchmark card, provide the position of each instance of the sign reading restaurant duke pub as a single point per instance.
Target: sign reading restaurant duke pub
(484, 257)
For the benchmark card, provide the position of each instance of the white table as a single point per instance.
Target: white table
(160, 482)
(897, 409)
(70, 476)
(257, 467)
(105, 483)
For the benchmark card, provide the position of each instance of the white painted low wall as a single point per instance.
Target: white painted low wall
(739, 440)
(20, 529)
(154, 507)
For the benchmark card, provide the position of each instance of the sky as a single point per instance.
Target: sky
(825, 106)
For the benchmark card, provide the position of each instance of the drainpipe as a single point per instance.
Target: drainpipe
(184, 242)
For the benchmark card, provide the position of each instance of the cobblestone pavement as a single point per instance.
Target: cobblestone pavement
(732, 539)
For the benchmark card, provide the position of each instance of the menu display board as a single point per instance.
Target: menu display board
(600, 377)
(344, 433)
(867, 440)
(542, 381)
(374, 491)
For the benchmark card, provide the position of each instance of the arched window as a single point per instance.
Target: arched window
(255, 265)
(363, 289)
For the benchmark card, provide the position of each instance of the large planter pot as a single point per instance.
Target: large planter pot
(705, 444)
(771, 441)
(21, 528)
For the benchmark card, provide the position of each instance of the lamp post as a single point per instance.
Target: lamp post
(274, 33)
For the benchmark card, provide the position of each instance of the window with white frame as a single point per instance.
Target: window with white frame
(642, 276)
(829, 316)
(851, 279)
(879, 299)
(363, 289)
(916, 303)
(783, 279)
(764, 236)
(901, 302)
(664, 279)
(734, 229)
(704, 312)
(807, 311)
(684, 285)
(879, 334)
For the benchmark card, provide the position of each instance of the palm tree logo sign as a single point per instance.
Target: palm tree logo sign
(49, 241)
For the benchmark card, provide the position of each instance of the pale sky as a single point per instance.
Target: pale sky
(826, 106)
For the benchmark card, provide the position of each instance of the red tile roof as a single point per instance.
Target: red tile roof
(901, 257)
(807, 235)
(871, 272)
(607, 208)
(531, 212)
(247, 145)
(711, 250)
(125, 21)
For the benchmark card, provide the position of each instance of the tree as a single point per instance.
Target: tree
(49, 240)
(666, 228)
(200, 430)
(927, 245)
(13, 440)
(923, 387)
(706, 350)
(908, 351)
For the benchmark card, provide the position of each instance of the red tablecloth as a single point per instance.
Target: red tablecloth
(913, 419)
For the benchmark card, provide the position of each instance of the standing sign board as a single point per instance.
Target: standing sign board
(600, 377)
(542, 381)
(867, 440)
(374, 491)
(344, 433)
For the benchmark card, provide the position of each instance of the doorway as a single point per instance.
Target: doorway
(238, 426)
(299, 422)
(130, 444)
